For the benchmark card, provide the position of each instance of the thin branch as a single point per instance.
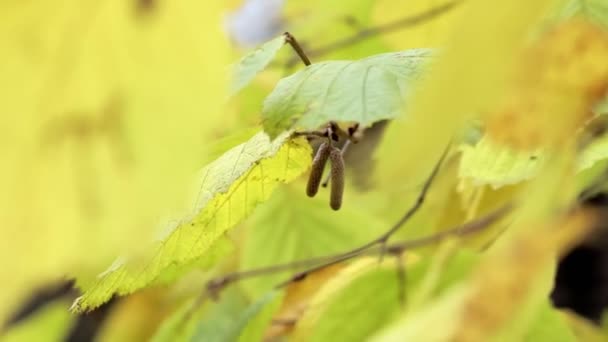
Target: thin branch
(382, 239)
(400, 247)
(381, 29)
(374, 248)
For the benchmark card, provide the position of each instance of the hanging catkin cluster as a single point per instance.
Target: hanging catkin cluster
(327, 151)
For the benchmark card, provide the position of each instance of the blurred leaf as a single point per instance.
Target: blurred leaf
(602, 107)
(180, 325)
(497, 165)
(363, 91)
(223, 320)
(583, 329)
(254, 62)
(365, 296)
(557, 81)
(490, 163)
(422, 325)
(549, 325)
(305, 228)
(130, 318)
(231, 187)
(297, 297)
(503, 307)
(104, 101)
(453, 93)
(51, 323)
(593, 153)
(258, 317)
(232, 317)
(594, 10)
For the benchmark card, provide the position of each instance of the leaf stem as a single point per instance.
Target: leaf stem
(291, 40)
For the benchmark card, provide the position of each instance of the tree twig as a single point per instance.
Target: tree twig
(381, 29)
(376, 246)
(396, 248)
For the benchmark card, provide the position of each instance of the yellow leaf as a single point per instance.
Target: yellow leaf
(558, 81)
(106, 109)
(231, 187)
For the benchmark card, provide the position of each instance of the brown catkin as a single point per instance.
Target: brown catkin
(337, 178)
(316, 172)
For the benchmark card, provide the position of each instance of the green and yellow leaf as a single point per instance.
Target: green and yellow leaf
(231, 187)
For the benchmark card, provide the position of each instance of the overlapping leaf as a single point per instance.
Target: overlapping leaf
(363, 91)
(231, 187)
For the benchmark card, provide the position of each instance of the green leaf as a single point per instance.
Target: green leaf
(306, 228)
(225, 320)
(50, 323)
(231, 187)
(594, 152)
(602, 107)
(365, 296)
(594, 10)
(362, 91)
(496, 165)
(179, 325)
(253, 63)
(234, 318)
(549, 325)
(488, 163)
(255, 320)
(422, 326)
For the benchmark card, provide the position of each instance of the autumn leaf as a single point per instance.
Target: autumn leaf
(556, 85)
(102, 106)
(231, 187)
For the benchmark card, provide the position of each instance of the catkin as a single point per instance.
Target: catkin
(337, 178)
(316, 172)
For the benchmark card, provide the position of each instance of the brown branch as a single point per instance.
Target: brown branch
(399, 248)
(215, 286)
(381, 29)
(376, 246)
